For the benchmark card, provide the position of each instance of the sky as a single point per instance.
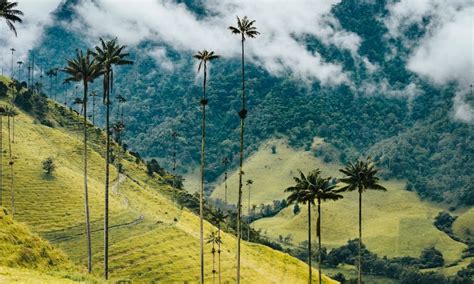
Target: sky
(443, 55)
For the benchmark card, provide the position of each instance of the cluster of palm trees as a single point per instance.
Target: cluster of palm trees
(10, 112)
(309, 189)
(85, 67)
(245, 29)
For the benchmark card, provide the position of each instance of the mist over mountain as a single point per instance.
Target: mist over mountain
(389, 79)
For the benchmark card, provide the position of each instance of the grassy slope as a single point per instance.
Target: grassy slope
(463, 226)
(396, 223)
(271, 173)
(27, 258)
(151, 238)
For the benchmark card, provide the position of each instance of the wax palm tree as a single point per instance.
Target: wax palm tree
(249, 183)
(93, 95)
(2, 113)
(84, 68)
(10, 112)
(246, 29)
(204, 57)
(320, 189)
(174, 136)
(218, 218)
(215, 240)
(360, 176)
(79, 102)
(51, 73)
(10, 14)
(299, 194)
(121, 100)
(109, 54)
(225, 162)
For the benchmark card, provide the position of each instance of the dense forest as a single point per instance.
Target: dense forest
(413, 137)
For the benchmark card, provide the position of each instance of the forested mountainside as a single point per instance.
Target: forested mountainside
(400, 119)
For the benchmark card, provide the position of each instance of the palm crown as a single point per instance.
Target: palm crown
(218, 217)
(245, 28)
(312, 187)
(360, 176)
(107, 54)
(82, 68)
(10, 14)
(205, 56)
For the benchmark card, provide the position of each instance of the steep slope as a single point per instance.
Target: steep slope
(151, 238)
(27, 258)
(396, 222)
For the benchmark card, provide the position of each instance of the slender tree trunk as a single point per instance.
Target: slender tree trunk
(107, 173)
(213, 263)
(318, 233)
(201, 195)
(219, 251)
(93, 110)
(225, 185)
(242, 114)
(12, 184)
(309, 244)
(248, 214)
(1, 159)
(86, 190)
(360, 237)
(13, 129)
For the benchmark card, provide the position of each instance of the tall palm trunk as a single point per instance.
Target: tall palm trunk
(86, 191)
(93, 110)
(360, 238)
(242, 114)
(1, 159)
(12, 183)
(309, 244)
(213, 263)
(225, 185)
(248, 214)
(318, 233)
(13, 129)
(108, 87)
(219, 251)
(201, 194)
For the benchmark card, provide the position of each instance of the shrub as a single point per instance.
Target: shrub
(49, 166)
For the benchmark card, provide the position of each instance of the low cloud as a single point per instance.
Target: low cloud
(277, 49)
(37, 14)
(445, 53)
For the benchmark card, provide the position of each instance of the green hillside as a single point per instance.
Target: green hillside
(396, 223)
(27, 258)
(151, 238)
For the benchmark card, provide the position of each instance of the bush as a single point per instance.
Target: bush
(431, 257)
(49, 166)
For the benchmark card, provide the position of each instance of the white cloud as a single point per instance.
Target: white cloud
(37, 14)
(462, 109)
(159, 54)
(276, 49)
(446, 52)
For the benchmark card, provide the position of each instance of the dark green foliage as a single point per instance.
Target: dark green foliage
(48, 166)
(296, 209)
(444, 221)
(339, 277)
(32, 102)
(431, 257)
(3, 90)
(153, 167)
